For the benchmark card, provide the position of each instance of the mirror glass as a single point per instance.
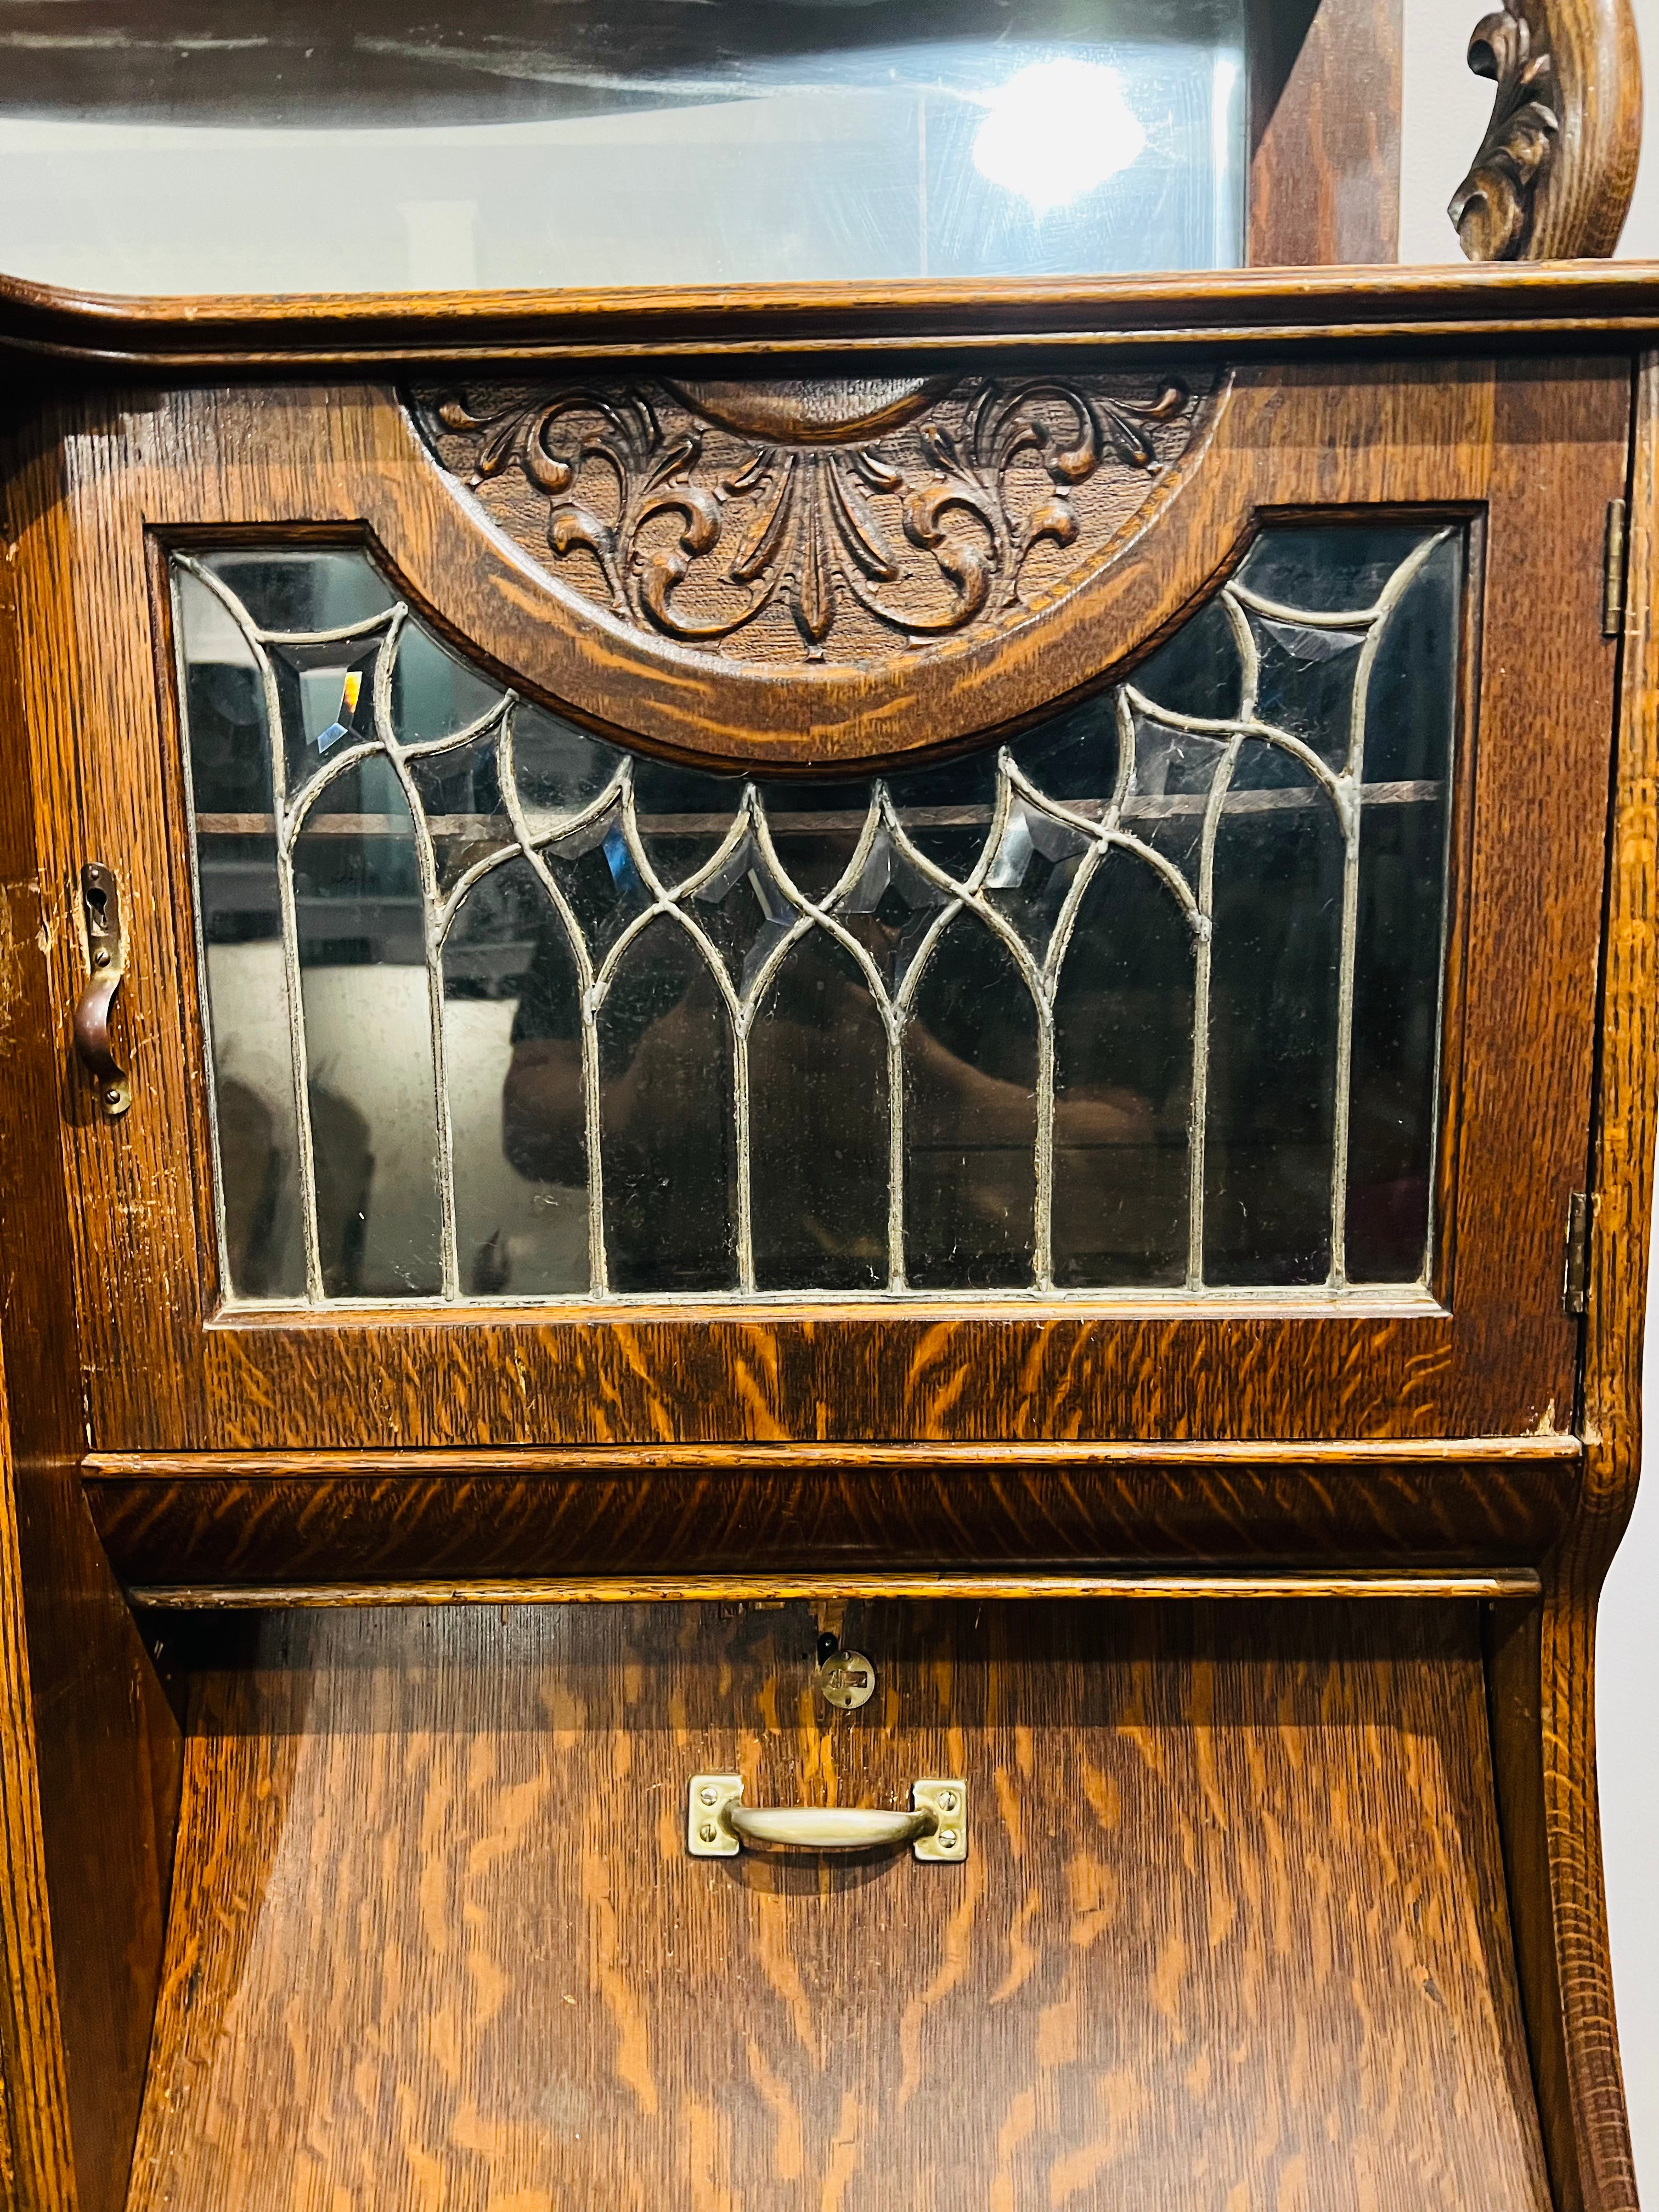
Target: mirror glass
(162, 149)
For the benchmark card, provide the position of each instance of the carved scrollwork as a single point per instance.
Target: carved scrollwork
(1492, 209)
(832, 520)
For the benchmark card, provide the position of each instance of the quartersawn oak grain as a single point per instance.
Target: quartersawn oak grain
(1231, 1926)
(229, 1520)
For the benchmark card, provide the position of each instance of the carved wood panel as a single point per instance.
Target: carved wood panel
(845, 522)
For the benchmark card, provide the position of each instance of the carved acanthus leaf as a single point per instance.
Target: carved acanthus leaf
(773, 521)
(1492, 209)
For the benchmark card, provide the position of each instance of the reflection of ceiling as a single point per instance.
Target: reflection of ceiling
(371, 63)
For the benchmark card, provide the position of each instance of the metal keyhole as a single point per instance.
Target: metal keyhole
(847, 1679)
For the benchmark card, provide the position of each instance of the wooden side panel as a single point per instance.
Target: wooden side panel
(1621, 1187)
(1325, 89)
(108, 1745)
(1230, 1929)
(37, 2168)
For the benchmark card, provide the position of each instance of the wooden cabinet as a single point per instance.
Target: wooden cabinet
(826, 1171)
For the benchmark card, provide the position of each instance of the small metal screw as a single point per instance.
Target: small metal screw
(947, 1801)
(100, 957)
(708, 1793)
(112, 1098)
(708, 1833)
(947, 1839)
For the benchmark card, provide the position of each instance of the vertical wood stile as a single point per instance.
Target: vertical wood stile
(1621, 1189)
(34, 2130)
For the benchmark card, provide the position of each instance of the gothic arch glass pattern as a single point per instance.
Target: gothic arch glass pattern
(1144, 1003)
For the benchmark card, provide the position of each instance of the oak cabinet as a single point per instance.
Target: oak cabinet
(827, 1159)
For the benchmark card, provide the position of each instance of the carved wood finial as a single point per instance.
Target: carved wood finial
(1492, 209)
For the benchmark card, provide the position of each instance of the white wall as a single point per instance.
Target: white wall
(1445, 112)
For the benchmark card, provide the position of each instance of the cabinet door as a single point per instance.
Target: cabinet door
(980, 906)
(1227, 1922)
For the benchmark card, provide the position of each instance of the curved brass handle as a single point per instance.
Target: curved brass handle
(829, 1827)
(719, 1823)
(101, 907)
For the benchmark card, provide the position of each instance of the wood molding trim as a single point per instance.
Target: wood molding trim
(1288, 311)
(749, 1589)
(294, 1520)
(607, 1460)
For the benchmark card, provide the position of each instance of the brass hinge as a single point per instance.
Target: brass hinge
(1612, 571)
(1575, 1279)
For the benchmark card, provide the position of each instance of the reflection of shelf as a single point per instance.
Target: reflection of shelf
(472, 828)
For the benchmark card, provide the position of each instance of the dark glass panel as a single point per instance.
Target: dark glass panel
(1123, 1026)
(818, 1082)
(682, 815)
(1400, 949)
(599, 873)
(816, 828)
(1329, 568)
(1305, 683)
(745, 911)
(309, 590)
(432, 693)
(559, 768)
(891, 909)
(1272, 1057)
(1402, 854)
(240, 923)
(945, 811)
(971, 1055)
(1035, 865)
(513, 1035)
(1197, 672)
(460, 796)
(368, 1038)
(666, 1114)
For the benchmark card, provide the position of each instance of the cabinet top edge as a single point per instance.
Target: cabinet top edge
(1287, 308)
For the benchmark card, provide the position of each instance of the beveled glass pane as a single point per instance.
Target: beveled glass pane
(361, 953)
(970, 1071)
(513, 1070)
(665, 1110)
(349, 148)
(240, 915)
(1160, 978)
(1123, 1060)
(819, 1128)
(1274, 990)
(1396, 1035)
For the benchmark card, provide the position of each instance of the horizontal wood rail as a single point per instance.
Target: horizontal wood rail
(1285, 309)
(526, 1463)
(750, 1589)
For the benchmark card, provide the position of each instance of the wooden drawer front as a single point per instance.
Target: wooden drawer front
(1229, 1928)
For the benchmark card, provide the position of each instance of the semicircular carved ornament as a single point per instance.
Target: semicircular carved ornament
(834, 522)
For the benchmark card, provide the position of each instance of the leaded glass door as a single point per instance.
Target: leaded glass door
(1013, 888)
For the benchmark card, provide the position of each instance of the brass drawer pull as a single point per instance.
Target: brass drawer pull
(100, 908)
(718, 1823)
